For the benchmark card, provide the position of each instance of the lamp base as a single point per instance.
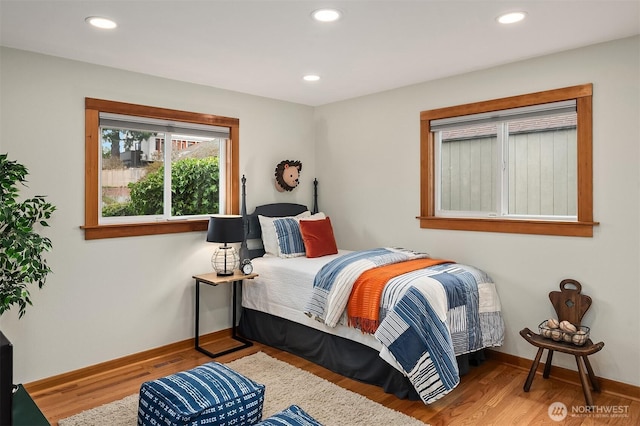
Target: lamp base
(225, 261)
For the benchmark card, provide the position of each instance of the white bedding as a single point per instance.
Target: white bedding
(283, 287)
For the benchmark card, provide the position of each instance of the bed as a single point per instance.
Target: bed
(388, 316)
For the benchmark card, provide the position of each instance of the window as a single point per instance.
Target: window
(520, 164)
(154, 171)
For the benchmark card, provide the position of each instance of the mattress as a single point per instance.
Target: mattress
(283, 287)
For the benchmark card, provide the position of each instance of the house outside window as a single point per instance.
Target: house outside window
(144, 178)
(519, 164)
(157, 170)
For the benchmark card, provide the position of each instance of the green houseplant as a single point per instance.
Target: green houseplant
(21, 247)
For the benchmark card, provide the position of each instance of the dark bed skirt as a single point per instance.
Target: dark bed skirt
(340, 355)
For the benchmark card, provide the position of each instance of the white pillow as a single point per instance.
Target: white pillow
(269, 236)
(316, 216)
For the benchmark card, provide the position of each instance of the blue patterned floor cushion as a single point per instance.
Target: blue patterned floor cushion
(209, 394)
(292, 416)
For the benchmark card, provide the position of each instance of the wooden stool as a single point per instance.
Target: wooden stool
(570, 306)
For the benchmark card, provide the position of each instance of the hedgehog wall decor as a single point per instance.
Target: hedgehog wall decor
(287, 175)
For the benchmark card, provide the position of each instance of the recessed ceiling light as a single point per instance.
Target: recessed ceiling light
(511, 18)
(326, 15)
(99, 22)
(311, 77)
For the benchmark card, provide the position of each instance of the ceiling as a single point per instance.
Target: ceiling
(264, 47)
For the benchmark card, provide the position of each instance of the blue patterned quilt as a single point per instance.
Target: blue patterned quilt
(333, 283)
(428, 316)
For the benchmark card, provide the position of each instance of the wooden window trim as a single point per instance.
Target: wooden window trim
(92, 229)
(583, 227)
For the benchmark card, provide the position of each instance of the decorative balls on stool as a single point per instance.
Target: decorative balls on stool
(580, 338)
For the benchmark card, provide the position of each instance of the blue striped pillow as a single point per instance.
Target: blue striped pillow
(292, 416)
(290, 242)
(211, 393)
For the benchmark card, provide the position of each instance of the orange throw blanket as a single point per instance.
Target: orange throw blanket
(363, 308)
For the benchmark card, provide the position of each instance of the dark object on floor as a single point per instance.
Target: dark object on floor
(6, 379)
(25, 411)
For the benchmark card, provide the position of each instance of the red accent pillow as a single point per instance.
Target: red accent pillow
(318, 238)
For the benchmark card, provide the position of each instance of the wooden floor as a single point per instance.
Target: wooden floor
(490, 394)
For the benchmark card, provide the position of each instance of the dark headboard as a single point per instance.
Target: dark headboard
(252, 224)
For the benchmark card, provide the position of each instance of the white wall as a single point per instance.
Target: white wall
(367, 156)
(110, 298)
(114, 297)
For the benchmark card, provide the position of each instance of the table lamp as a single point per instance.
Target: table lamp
(225, 229)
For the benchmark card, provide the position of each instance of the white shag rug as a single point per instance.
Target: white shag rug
(285, 385)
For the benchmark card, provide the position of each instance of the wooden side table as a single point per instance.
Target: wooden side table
(214, 279)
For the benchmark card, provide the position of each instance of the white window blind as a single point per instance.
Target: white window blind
(554, 108)
(119, 121)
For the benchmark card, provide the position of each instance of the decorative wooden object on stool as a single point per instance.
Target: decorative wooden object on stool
(570, 306)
